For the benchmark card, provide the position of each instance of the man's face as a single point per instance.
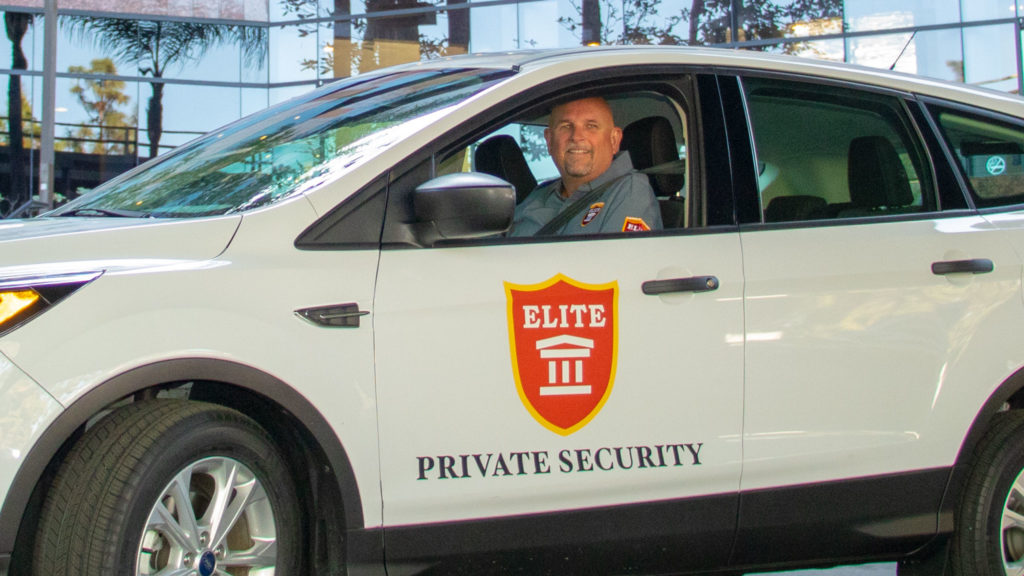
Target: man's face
(582, 139)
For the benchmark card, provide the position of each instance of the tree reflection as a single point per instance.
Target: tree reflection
(155, 47)
(16, 24)
(699, 22)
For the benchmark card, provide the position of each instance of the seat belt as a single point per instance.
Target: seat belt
(563, 217)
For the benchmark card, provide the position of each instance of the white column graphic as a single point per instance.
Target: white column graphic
(565, 355)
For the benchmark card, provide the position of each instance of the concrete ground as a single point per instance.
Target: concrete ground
(861, 570)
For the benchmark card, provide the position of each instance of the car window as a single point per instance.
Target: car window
(825, 152)
(654, 133)
(991, 154)
(288, 148)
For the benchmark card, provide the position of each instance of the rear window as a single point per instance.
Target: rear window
(990, 153)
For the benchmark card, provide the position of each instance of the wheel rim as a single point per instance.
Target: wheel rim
(213, 517)
(1011, 537)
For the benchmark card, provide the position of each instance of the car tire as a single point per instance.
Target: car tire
(115, 505)
(989, 535)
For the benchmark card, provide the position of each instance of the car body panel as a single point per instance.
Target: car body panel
(825, 365)
(889, 350)
(428, 317)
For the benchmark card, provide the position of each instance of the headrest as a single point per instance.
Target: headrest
(650, 142)
(876, 175)
(501, 156)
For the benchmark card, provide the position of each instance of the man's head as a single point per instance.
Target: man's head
(582, 140)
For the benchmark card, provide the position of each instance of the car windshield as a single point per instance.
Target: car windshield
(285, 150)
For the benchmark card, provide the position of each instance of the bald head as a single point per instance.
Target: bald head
(582, 140)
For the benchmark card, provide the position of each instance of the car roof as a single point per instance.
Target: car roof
(588, 58)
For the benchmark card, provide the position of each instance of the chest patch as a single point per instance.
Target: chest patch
(592, 213)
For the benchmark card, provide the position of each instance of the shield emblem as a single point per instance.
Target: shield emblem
(563, 336)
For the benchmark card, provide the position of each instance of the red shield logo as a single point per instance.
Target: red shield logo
(563, 336)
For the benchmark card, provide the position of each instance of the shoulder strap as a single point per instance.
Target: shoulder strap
(563, 217)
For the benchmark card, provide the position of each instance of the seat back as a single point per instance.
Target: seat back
(876, 176)
(795, 208)
(501, 156)
(651, 142)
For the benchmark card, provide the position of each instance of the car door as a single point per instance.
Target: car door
(575, 401)
(877, 304)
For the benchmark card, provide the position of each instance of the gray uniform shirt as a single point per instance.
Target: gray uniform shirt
(626, 205)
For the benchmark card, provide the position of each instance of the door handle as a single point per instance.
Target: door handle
(693, 284)
(973, 266)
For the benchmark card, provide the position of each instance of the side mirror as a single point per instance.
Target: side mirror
(463, 206)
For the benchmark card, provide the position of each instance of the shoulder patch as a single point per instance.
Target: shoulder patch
(592, 213)
(635, 225)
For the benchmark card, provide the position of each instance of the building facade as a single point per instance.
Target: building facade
(138, 77)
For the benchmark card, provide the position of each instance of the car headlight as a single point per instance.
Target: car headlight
(23, 298)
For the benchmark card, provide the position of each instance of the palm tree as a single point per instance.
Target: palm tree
(155, 46)
(17, 25)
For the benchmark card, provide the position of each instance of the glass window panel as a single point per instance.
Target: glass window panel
(255, 58)
(982, 64)
(887, 14)
(183, 121)
(654, 22)
(79, 43)
(494, 28)
(458, 27)
(707, 23)
(389, 40)
(545, 24)
(31, 29)
(936, 54)
(834, 49)
(286, 149)
(291, 10)
(276, 95)
(791, 19)
(293, 53)
(991, 154)
(16, 176)
(829, 152)
(254, 100)
(972, 10)
(95, 116)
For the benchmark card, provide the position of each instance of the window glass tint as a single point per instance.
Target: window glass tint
(654, 133)
(991, 155)
(827, 152)
(288, 148)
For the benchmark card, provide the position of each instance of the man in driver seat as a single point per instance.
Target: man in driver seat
(599, 192)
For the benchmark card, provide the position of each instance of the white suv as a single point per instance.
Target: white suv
(307, 344)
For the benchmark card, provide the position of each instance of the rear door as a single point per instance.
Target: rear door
(877, 304)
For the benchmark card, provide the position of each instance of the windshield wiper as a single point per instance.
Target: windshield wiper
(106, 212)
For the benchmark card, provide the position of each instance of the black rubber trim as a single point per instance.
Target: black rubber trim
(974, 266)
(672, 285)
(859, 520)
(651, 538)
(882, 517)
(182, 370)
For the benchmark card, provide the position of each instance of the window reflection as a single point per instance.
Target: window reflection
(833, 49)
(936, 54)
(788, 19)
(888, 14)
(987, 9)
(495, 28)
(980, 68)
(187, 121)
